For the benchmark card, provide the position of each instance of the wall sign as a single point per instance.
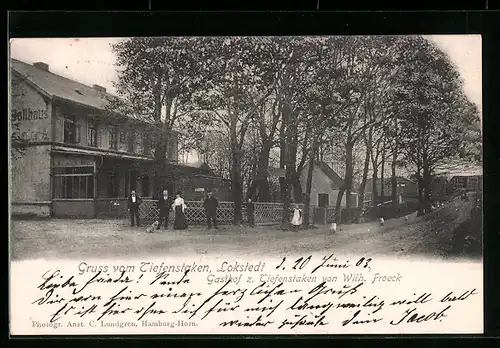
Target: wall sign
(73, 162)
(28, 114)
(35, 134)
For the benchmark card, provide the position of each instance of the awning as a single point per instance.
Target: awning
(78, 151)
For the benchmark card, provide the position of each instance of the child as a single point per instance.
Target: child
(296, 218)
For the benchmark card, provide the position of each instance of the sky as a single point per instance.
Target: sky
(91, 60)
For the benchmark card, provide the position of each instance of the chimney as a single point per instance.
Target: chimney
(99, 88)
(41, 66)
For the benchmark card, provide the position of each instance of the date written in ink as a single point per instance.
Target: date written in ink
(330, 261)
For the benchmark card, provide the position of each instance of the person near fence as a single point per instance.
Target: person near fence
(133, 204)
(179, 207)
(296, 218)
(211, 204)
(250, 213)
(164, 204)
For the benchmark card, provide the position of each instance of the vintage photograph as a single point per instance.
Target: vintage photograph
(157, 146)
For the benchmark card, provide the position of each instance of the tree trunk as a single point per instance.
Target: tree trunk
(382, 184)
(349, 170)
(286, 198)
(297, 188)
(260, 185)
(382, 174)
(420, 191)
(362, 185)
(292, 160)
(282, 158)
(338, 204)
(160, 140)
(374, 186)
(394, 179)
(236, 184)
(286, 190)
(347, 184)
(394, 183)
(427, 185)
(307, 198)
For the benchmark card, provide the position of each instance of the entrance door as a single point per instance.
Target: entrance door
(132, 180)
(323, 200)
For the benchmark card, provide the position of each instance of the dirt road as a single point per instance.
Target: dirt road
(75, 239)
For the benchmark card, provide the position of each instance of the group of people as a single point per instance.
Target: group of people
(165, 204)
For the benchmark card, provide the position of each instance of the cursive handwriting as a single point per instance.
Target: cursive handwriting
(412, 316)
(287, 303)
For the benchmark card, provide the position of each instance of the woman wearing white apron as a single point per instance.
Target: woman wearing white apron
(179, 207)
(296, 218)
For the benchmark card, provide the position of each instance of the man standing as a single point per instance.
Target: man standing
(250, 213)
(164, 205)
(210, 204)
(134, 201)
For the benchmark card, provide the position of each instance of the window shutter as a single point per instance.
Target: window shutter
(77, 133)
(97, 136)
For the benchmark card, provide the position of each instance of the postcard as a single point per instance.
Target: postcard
(246, 185)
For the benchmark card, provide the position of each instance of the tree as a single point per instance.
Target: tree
(365, 59)
(323, 101)
(157, 80)
(437, 113)
(238, 84)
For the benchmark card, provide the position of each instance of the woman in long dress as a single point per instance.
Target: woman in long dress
(296, 218)
(179, 207)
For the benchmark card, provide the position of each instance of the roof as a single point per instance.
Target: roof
(459, 168)
(98, 152)
(369, 181)
(54, 85)
(62, 87)
(330, 173)
(201, 165)
(276, 172)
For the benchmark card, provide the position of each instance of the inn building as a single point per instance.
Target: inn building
(79, 156)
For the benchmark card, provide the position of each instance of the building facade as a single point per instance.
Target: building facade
(78, 152)
(471, 183)
(325, 186)
(407, 190)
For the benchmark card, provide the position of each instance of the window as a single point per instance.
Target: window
(473, 183)
(74, 182)
(113, 184)
(460, 183)
(146, 144)
(152, 146)
(127, 184)
(145, 186)
(323, 200)
(71, 130)
(123, 138)
(133, 180)
(92, 136)
(131, 140)
(113, 137)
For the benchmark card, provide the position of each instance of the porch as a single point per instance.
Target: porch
(81, 177)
